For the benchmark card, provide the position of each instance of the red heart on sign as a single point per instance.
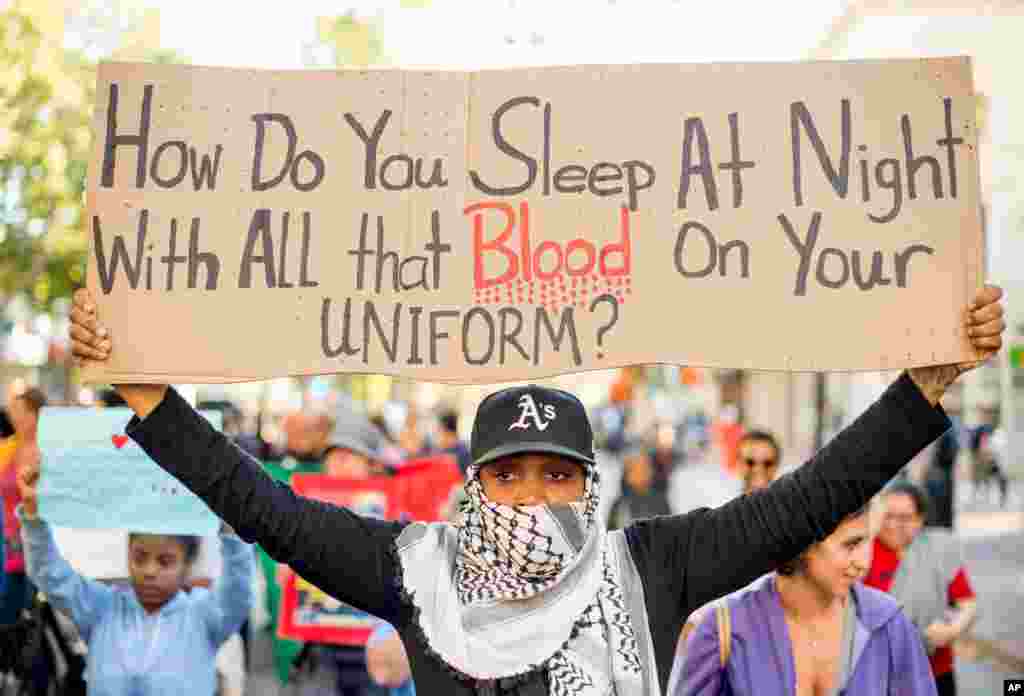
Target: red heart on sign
(119, 440)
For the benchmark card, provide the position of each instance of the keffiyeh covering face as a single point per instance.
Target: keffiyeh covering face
(513, 552)
(519, 590)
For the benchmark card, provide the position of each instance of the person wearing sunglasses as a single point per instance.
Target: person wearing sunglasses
(759, 457)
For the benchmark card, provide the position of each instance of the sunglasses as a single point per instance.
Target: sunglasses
(900, 519)
(766, 463)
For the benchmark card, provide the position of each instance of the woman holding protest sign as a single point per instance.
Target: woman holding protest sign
(18, 591)
(153, 638)
(528, 594)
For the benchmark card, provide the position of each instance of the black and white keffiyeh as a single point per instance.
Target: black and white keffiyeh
(508, 553)
(509, 590)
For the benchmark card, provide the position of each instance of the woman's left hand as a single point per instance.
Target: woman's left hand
(985, 326)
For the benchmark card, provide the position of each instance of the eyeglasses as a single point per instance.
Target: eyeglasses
(766, 463)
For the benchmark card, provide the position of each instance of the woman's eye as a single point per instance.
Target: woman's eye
(560, 476)
(503, 476)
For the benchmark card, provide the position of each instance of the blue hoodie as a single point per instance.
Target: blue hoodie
(131, 653)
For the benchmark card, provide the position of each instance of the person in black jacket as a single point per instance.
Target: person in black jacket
(525, 593)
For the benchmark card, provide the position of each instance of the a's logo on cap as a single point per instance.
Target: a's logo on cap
(530, 412)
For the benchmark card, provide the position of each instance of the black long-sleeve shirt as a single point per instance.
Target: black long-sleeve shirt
(684, 561)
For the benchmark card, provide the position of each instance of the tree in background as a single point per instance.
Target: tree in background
(353, 41)
(46, 99)
(47, 94)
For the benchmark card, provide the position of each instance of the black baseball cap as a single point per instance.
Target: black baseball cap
(531, 419)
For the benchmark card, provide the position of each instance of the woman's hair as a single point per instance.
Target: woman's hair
(911, 489)
(189, 543)
(790, 567)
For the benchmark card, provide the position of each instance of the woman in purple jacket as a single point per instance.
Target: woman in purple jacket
(809, 629)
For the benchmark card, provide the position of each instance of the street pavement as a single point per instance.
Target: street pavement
(994, 549)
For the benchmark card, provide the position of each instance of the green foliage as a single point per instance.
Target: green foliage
(355, 42)
(46, 105)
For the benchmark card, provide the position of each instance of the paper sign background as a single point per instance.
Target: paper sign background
(88, 482)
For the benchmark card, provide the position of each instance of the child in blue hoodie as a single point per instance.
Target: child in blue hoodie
(152, 639)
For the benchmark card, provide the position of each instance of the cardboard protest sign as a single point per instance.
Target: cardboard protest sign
(95, 477)
(500, 225)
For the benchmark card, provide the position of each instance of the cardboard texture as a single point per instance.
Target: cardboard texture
(473, 227)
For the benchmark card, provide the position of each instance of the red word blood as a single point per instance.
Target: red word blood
(548, 259)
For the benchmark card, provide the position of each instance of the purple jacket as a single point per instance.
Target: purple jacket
(888, 656)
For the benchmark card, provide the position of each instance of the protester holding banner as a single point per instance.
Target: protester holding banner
(153, 638)
(809, 628)
(605, 609)
(8, 446)
(17, 591)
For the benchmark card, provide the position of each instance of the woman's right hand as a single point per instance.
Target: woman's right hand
(91, 342)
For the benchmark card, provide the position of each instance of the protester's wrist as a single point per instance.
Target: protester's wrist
(931, 382)
(143, 399)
